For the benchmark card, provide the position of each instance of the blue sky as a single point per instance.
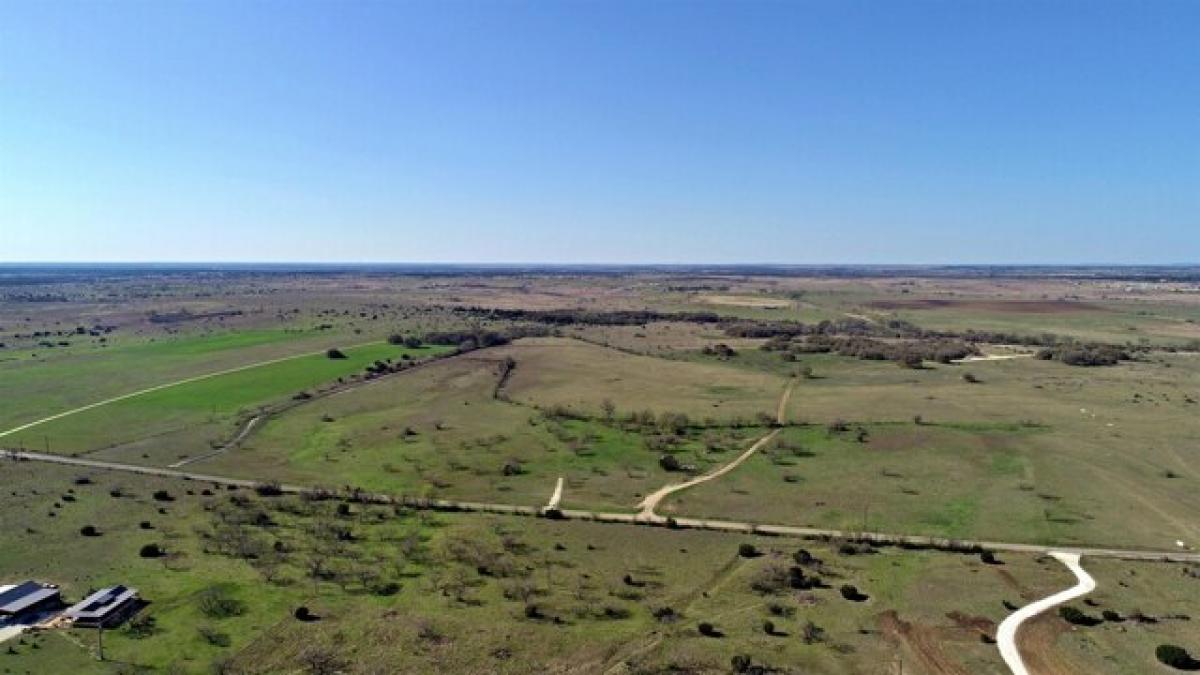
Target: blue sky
(657, 131)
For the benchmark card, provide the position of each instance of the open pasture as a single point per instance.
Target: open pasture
(1033, 451)
(578, 375)
(413, 592)
(193, 416)
(440, 430)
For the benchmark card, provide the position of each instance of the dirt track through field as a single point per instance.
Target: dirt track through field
(1006, 635)
(651, 501)
(168, 385)
(241, 436)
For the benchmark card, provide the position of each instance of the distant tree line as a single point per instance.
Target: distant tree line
(569, 317)
(787, 329)
(906, 352)
(1092, 354)
(477, 338)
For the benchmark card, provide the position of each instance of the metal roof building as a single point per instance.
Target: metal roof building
(26, 597)
(104, 607)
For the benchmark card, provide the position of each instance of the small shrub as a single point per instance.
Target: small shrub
(303, 613)
(152, 551)
(163, 496)
(812, 633)
(852, 593)
(216, 602)
(142, 627)
(269, 489)
(748, 551)
(214, 637)
(665, 614)
(1074, 615)
(1177, 657)
(708, 630)
(334, 353)
(89, 531)
(615, 612)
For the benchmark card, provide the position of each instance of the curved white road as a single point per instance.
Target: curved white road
(1006, 635)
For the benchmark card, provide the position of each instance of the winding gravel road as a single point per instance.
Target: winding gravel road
(650, 502)
(1006, 635)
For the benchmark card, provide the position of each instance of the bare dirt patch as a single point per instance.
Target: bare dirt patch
(974, 624)
(1036, 640)
(923, 641)
(744, 301)
(1001, 306)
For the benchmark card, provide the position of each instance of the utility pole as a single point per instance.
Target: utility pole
(100, 640)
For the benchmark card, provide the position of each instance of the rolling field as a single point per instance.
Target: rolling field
(186, 419)
(556, 372)
(412, 592)
(440, 431)
(1008, 450)
(1034, 451)
(36, 388)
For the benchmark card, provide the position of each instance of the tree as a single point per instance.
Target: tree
(1177, 657)
(151, 551)
(708, 630)
(334, 353)
(1074, 615)
(852, 593)
(609, 409)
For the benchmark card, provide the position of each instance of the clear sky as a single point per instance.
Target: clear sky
(656, 131)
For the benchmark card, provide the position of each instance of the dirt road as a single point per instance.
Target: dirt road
(231, 444)
(650, 503)
(881, 538)
(1006, 635)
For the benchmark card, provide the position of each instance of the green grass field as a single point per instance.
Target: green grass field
(438, 430)
(193, 415)
(1023, 451)
(463, 583)
(37, 388)
(1037, 451)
